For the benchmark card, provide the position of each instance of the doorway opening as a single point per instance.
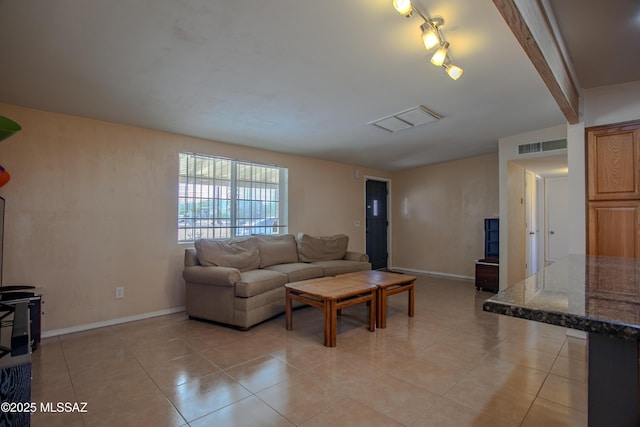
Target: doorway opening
(537, 212)
(377, 223)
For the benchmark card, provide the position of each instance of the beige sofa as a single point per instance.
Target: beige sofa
(240, 281)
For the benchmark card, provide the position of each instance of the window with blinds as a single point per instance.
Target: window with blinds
(222, 198)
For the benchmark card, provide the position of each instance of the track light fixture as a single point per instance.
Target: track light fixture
(453, 71)
(439, 57)
(404, 7)
(431, 37)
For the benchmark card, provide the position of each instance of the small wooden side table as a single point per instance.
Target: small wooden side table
(388, 284)
(331, 294)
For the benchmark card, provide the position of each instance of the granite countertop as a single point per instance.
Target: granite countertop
(585, 292)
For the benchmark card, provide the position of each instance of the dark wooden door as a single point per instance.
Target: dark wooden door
(377, 223)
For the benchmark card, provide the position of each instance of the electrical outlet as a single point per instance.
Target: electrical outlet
(120, 292)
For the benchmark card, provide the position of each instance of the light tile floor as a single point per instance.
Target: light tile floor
(450, 365)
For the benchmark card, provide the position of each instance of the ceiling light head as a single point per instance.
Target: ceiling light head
(430, 36)
(404, 7)
(453, 71)
(439, 57)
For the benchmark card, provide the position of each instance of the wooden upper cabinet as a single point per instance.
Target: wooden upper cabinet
(613, 162)
(614, 228)
(613, 190)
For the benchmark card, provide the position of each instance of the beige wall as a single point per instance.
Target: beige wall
(92, 205)
(438, 215)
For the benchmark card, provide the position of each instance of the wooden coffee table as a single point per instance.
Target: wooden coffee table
(331, 294)
(388, 284)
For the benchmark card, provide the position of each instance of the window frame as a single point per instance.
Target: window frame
(220, 198)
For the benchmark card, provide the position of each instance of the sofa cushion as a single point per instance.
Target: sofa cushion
(298, 271)
(324, 248)
(339, 266)
(256, 282)
(239, 253)
(277, 249)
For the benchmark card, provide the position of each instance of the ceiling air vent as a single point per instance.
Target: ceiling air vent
(539, 147)
(416, 116)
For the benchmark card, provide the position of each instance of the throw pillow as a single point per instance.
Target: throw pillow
(324, 248)
(237, 253)
(277, 249)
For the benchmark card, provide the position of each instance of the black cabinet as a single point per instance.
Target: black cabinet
(487, 269)
(491, 238)
(487, 274)
(15, 364)
(33, 296)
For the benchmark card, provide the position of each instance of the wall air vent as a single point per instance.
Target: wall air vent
(539, 147)
(534, 147)
(558, 144)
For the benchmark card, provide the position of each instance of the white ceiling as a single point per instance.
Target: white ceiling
(602, 39)
(302, 77)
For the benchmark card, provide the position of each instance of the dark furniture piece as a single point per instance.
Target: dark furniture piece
(15, 364)
(33, 297)
(487, 277)
(492, 238)
(487, 269)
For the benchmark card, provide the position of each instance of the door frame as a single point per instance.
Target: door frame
(548, 206)
(541, 206)
(389, 214)
(531, 222)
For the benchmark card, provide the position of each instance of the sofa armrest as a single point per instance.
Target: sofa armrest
(212, 275)
(356, 256)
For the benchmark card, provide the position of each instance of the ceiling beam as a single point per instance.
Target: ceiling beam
(529, 23)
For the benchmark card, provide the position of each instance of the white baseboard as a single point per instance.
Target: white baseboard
(89, 326)
(432, 273)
